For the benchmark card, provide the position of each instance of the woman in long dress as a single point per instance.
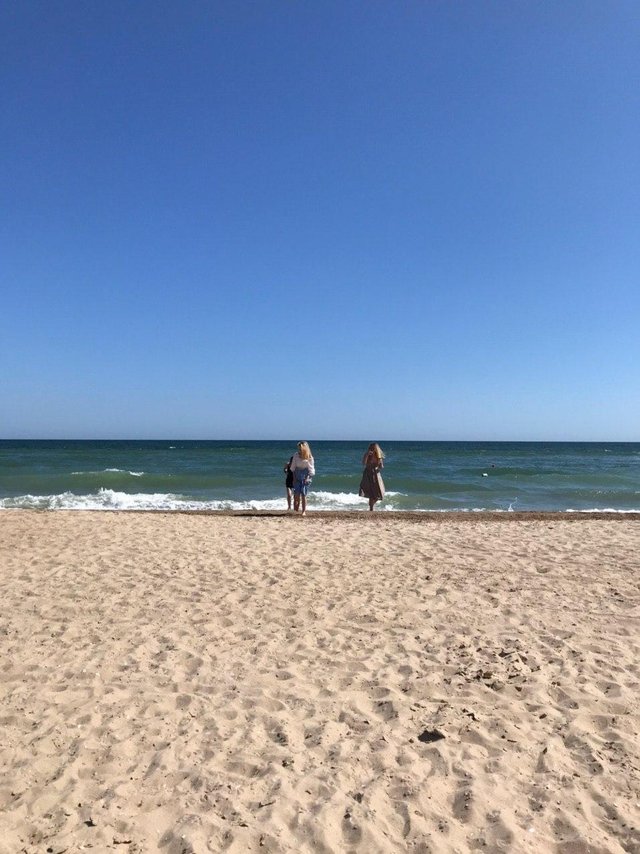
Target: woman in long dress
(372, 485)
(303, 469)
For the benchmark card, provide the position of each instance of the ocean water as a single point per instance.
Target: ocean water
(217, 475)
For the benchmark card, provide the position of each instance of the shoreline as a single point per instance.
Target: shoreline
(389, 515)
(430, 515)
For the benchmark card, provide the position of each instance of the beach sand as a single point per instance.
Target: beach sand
(195, 683)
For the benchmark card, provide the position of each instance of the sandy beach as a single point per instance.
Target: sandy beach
(201, 683)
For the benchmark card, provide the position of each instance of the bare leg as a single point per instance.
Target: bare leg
(372, 501)
(304, 504)
(288, 498)
(296, 502)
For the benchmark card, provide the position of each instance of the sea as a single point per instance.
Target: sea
(183, 475)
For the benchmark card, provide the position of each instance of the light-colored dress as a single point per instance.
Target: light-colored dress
(372, 485)
(302, 470)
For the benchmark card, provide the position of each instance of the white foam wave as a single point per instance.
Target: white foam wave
(602, 510)
(104, 471)
(104, 499)
(108, 499)
(336, 500)
(346, 501)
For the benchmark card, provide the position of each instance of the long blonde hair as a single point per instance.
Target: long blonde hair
(375, 449)
(304, 450)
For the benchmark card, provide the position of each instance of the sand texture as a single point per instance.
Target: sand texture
(183, 683)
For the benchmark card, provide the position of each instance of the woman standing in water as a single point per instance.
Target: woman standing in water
(372, 485)
(303, 469)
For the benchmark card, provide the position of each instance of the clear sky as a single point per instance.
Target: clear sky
(376, 220)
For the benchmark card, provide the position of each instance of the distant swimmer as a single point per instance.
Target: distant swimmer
(372, 485)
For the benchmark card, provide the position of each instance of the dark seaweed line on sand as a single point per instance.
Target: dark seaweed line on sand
(385, 515)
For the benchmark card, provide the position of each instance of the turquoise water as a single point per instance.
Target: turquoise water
(174, 474)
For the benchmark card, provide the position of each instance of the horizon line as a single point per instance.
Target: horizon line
(311, 440)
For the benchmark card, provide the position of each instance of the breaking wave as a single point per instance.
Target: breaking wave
(109, 499)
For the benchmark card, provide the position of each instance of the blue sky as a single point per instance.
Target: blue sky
(339, 220)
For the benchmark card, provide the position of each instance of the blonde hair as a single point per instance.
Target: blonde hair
(304, 450)
(374, 448)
